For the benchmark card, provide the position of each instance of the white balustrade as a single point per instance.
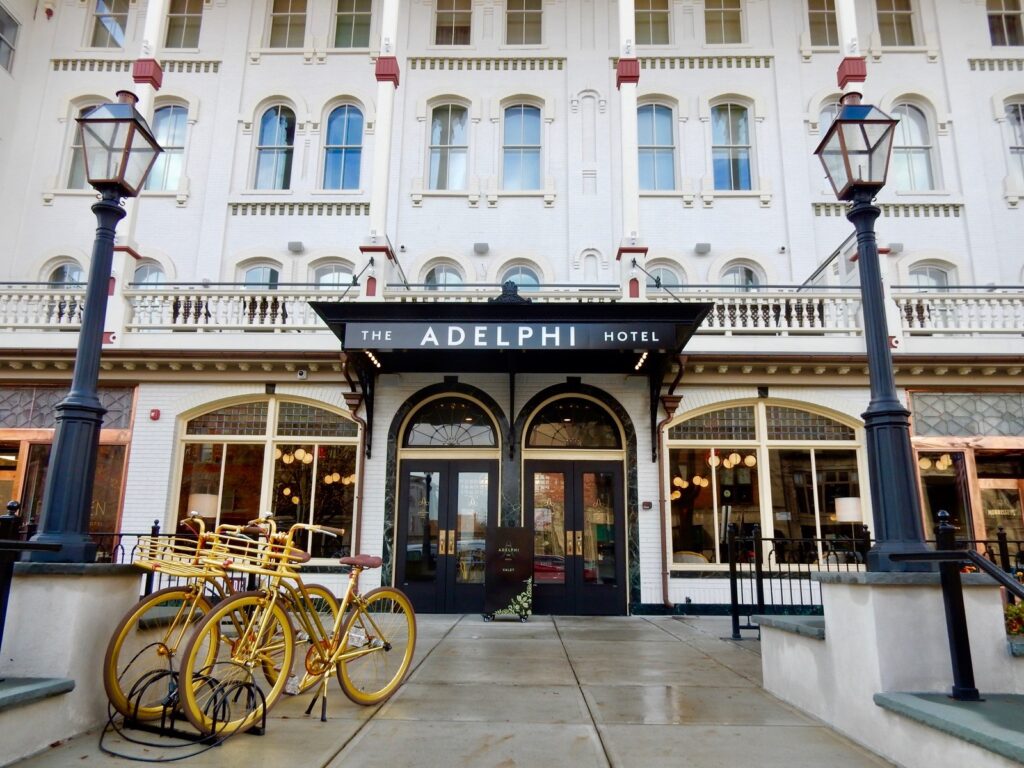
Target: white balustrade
(41, 308)
(982, 313)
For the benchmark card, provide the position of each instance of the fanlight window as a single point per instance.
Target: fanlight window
(740, 423)
(241, 419)
(727, 424)
(450, 423)
(573, 423)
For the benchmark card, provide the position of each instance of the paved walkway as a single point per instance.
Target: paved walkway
(573, 691)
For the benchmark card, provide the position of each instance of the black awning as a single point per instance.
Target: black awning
(511, 335)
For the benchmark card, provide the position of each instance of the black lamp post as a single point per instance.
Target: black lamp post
(855, 152)
(119, 150)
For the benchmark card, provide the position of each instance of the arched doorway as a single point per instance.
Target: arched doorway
(447, 501)
(573, 452)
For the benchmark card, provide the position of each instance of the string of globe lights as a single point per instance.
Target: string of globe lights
(944, 462)
(303, 456)
(714, 461)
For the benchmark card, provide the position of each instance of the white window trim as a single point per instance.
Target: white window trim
(677, 171)
(254, 155)
(90, 24)
(505, 44)
(207, 4)
(744, 41)
(474, 35)
(372, 40)
(670, 18)
(13, 44)
(322, 161)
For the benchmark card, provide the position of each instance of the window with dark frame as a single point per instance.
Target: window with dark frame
(8, 38)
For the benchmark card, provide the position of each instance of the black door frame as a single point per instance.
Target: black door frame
(444, 593)
(576, 596)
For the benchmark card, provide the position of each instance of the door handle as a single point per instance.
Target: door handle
(451, 542)
(441, 542)
(569, 551)
(579, 543)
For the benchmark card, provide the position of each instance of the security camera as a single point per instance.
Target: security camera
(302, 374)
(782, 249)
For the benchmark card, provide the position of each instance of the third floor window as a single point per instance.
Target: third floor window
(723, 22)
(8, 38)
(821, 18)
(1004, 22)
(523, 22)
(453, 22)
(896, 22)
(651, 22)
(352, 24)
(184, 18)
(287, 24)
(109, 20)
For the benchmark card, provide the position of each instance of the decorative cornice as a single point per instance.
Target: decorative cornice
(897, 210)
(702, 62)
(488, 64)
(177, 66)
(299, 209)
(996, 65)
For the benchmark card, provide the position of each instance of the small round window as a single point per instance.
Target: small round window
(573, 423)
(450, 423)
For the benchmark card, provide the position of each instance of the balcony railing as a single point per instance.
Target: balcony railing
(798, 311)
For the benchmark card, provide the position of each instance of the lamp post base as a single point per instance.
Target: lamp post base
(74, 548)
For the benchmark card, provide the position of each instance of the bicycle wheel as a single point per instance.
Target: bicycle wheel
(381, 634)
(139, 667)
(219, 688)
(324, 604)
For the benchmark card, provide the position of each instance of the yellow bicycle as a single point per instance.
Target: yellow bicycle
(229, 685)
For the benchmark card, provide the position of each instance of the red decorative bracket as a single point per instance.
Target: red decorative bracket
(635, 250)
(628, 71)
(384, 249)
(387, 70)
(670, 403)
(129, 250)
(852, 69)
(148, 71)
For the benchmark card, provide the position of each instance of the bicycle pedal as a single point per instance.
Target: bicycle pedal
(301, 637)
(291, 685)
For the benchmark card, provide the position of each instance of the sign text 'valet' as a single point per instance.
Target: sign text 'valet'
(553, 336)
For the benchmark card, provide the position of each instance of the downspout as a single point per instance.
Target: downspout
(670, 402)
(353, 400)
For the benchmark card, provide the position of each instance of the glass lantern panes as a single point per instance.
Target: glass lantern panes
(573, 423)
(450, 423)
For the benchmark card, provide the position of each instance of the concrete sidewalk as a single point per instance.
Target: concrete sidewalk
(566, 691)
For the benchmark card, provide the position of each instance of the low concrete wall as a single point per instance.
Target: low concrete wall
(59, 620)
(887, 632)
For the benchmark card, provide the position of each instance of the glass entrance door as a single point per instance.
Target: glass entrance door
(445, 510)
(577, 513)
(1001, 503)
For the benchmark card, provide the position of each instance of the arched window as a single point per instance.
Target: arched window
(573, 423)
(657, 147)
(307, 457)
(274, 149)
(912, 167)
(731, 147)
(660, 276)
(715, 478)
(450, 422)
(741, 277)
(169, 126)
(67, 273)
(333, 276)
(443, 276)
(1015, 117)
(76, 172)
(449, 147)
(521, 148)
(184, 20)
(148, 273)
(524, 277)
(929, 276)
(343, 148)
(262, 276)
(828, 114)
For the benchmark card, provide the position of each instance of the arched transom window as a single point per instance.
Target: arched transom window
(777, 466)
(451, 422)
(573, 423)
(295, 459)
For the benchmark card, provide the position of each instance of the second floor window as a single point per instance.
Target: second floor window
(333, 276)
(523, 22)
(1015, 116)
(521, 148)
(741, 278)
(929, 276)
(148, 273)
(68, 273)
(443, 276)
(343, 148)
(730, 150)
(8, 39)
(896, 22)
(449, 147)
(184, 18)
(287, 24)
(274, 149)
(453, 22)
(262, 276)
(169, 126)
(911, 164)
(109, 19)
(723, 22)
(821, 18)
(1004, 22)
(656, 147)
(651, 22)
(352, 24)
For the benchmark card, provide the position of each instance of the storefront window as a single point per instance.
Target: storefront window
(1001, 482)
(944, 486)
(309, 453)
(715, 478)
(106, 490)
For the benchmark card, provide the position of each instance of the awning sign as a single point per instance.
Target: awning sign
(497, 336)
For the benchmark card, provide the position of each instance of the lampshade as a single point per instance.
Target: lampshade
(855, 150)
(203, 503)
(848, 509)
(118, 146)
